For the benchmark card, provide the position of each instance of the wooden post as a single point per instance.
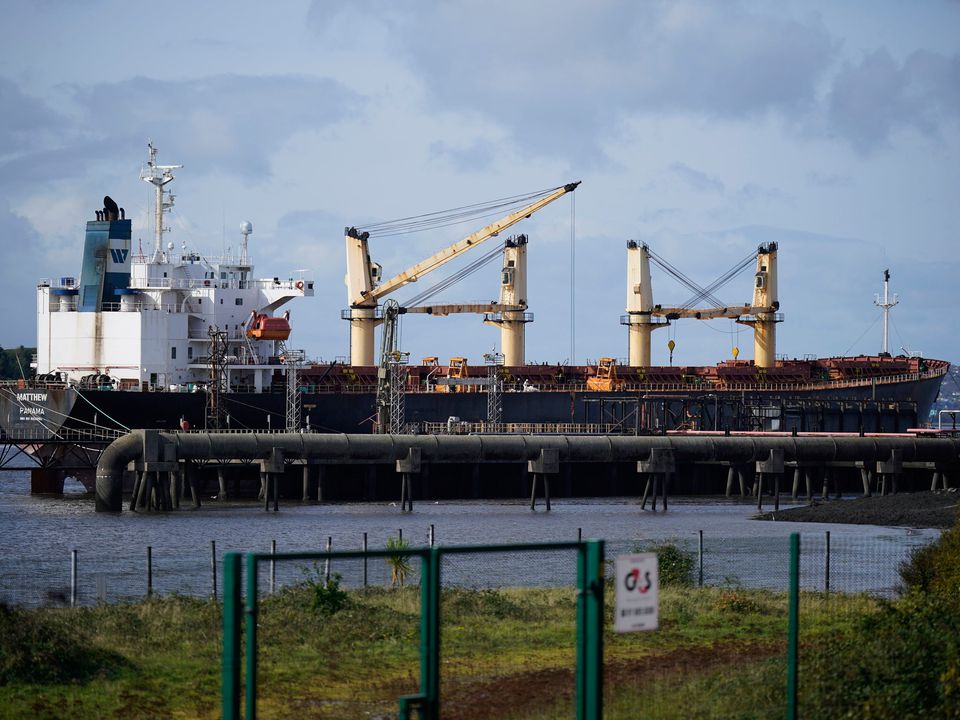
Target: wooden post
(759, 486)
(533, 492)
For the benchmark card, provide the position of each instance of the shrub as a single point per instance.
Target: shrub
(327, 597)
(736, 601)
(676, 564)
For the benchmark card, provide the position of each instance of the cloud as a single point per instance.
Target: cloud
(18, 237)
(696, 179)
(475, 157)
(538, 68)
(27, 123)
(873, 98)
(230, 123)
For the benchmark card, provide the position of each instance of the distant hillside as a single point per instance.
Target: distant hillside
(949, 393)
(10, 368)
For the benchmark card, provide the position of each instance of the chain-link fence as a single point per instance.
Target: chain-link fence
(341, 637)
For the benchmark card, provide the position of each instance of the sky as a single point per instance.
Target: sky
(701, 128)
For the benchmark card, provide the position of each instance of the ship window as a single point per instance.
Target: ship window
(190, 353)
(173, 353)
(223, 276)
(238, 301)
(221, 301)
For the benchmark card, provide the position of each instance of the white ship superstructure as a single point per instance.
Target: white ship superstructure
(144, 321)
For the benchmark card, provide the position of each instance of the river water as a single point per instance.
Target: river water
(37, 535)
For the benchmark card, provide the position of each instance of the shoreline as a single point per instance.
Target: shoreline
(921, 510)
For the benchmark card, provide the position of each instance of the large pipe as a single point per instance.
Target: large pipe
(334, 448)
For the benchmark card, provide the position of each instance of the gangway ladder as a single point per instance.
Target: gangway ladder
(494, 363)
(293, 359)
(218, 378)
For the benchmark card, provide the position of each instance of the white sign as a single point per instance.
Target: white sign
(637, 595)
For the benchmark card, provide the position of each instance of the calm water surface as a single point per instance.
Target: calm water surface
(38, 533)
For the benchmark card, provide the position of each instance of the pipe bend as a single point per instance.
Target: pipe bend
(113, 461)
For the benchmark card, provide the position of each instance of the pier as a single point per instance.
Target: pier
(163, 466)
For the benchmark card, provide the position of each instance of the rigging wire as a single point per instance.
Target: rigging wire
(445, 218)
(573, 277)
(847, 351)
(456, 277)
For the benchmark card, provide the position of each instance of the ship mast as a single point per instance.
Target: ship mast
(886, 305)
(158, 176)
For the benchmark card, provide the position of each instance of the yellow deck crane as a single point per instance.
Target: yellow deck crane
(365, 290)
(643, 315)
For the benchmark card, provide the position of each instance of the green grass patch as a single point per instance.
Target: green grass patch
(351, 654)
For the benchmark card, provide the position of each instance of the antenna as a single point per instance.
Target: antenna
(886, 305)
(158, 176)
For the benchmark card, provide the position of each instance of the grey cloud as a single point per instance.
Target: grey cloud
(696, 179)
(871, 99)
(26, 123)
(828, 180)
(537, 67)
(18, 237)
(474, 158)
(224, 122)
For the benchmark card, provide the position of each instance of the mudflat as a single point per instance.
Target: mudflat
(915, 510)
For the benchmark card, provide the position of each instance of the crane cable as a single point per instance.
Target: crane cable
(703, 293)
(455, 278)
(454, 216)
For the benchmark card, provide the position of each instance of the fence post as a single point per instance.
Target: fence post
(231, 637)
(700, 558)
(73, 578)
(826, 567)
(326, 571)
(213, 568)
(273, 567)
(149, 571)
(364, 548)
(589, 674)
(793, 630)
(430, 633)
(250, 611)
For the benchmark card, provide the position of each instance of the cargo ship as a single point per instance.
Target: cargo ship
(171, 338)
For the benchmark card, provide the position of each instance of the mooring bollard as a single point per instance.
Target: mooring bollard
(73, 578)
(149, 571)
(213, 568)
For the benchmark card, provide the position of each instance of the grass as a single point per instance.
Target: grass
(505, 653)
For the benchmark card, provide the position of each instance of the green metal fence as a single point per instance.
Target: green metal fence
(240, 614)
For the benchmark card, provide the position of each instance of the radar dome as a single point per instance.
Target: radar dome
(246, 228)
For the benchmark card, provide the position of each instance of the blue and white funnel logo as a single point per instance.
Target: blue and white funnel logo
(119, 255)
